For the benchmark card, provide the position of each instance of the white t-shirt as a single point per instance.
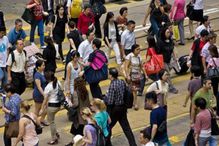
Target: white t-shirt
(3, 51)
(69, 3)
(51, 93)
(205, 52)
(127, 39)
(84, 49)
(135, 62)
(198, 5)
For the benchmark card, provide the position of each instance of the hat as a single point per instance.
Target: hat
(78, 140)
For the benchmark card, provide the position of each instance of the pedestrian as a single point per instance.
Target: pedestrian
(114, 100)
(11, 108)
(38, 91)
(161, 87)
(85, 48)
(82, 95)
(4, 45)
(122, 19)
(205, 24)
(178, 15)
(86, 21)
(102, 118)
(38, 13)
(166, 48)
(205, 54)
(97, 16)
(145, 137)
(112, 37)
(73, 71)
(202, 125)
(74, 10)
(206, 93)
(17, 66)
(48, 6)
(59, 25)
(89, 133)
(95, 87)
(128, 39)
(194, 85)
(197, 15)
(16, 33)
(27, 132)
(134, 71)
(49, 55)
(51, 104)
(158, 121)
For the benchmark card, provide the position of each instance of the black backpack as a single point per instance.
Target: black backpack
(100, 136)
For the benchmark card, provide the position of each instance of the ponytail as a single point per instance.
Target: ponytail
(54, 82)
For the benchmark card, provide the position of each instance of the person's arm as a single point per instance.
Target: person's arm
(192, 117)
(153, 131)
(29, 6)
(88, 139)
(67, 28)
(52, 25)
(123, 46)
(72, 43)
(127, 64)
(146, 15)
(68, 77)
(21, 131)
(38, 84)
(197, 129)
(173, 12)
(69, 8)
(9, 64)
(204, 65)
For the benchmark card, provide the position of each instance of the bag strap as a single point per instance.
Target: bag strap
(157, 85)
(28, 117)
(214, 62)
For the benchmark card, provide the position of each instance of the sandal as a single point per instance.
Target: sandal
(53, 142)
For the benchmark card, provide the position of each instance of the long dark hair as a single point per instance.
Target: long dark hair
(57, 9)
(151, 42)
(49, 42)
(80, 86)
(50, 76)
(38, 63)
(109, 15)
(213, 51)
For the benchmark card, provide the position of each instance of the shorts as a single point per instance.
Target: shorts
(197, 15)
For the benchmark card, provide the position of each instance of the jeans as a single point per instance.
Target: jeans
(3, 77)
(212, 141)
(203, 141)
(116, 49)
(181, 30)
(96, 90)
(34, 145)
(154, 25)
(40, 25)
(119, 114)
(60, 51)
(51, 112)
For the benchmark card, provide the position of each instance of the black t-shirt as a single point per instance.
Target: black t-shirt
(59, 28)
(49, 54)
(75, 36)
(155, 12)
(166, 49)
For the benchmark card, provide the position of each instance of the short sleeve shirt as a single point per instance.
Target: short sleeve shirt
(36, 93)
(205, 52)
(127, 39)
(102, 121)
(135, 62)
(37, 10)
(193, 86)
(13, 35)
(92, 130)
(51, 93)
(3, 51)
(85, 49)
(74, 35)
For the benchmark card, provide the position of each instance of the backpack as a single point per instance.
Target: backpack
(76, 8)
(100, 136)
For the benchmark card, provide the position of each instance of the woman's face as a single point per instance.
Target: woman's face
(87, 11)
(167, 34)
(125, 13)
(61, 10)
(165, 76)
(75, 59)
(42, 67)
(111, 19)
(137, 51)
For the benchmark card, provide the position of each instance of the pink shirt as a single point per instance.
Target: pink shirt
(179, 5)
(212, 64)
(203, 121)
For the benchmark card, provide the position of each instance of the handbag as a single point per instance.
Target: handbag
(12, 129)
(99, 8)
(213, 72)
(60, 95)
(190, 140)
(214, 125)
(128, 97)
(38, 128)
(176, 32)
(154, 65)
(27, 16)
(189, 10)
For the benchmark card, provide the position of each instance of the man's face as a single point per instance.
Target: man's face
(18, 26)
(20, 45)
(131, 27)
(207, 85)
(91, 36)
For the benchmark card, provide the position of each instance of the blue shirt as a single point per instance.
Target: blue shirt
(38, 97)
(13, 104)
(102, 121)
(157, 116)
(13, 36)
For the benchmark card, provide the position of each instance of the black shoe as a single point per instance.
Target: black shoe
(182, 44)
(69, 144)
(192, 38)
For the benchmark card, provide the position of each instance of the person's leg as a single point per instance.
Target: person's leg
(16, 82)
(154, 26)
(22, 82)
(202, 141)
(5, 78)
(171, 86)
(212, 141)
(181, 31)
(60, 51)
(142, 84)
(41, 32)
(96, 90)
(191, 28)
(97, 27)
(51, 111)
(32, 31)
(7, 141)
(117, 52)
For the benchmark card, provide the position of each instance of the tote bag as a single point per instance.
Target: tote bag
(176, 32)
(27, 16)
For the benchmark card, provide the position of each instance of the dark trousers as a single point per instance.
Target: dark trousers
(142, 84)
(60, 51)
(127, 52)
(67, 60)
(119, 114)
(97, 27)
(18, 80)
(7, 141)
(96, 90)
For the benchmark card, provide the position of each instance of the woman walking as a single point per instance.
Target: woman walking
(111, 36)
(52, 104)
(59, 24)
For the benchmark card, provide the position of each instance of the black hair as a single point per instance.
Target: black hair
(122, 10)
(113, 72)
(10, 88)
(163, 33)
(89, 32)
(38, 63)
(97, 43)
(71, 24)
(205, 80)
(196, 71)
(109, 15)
(161, 73)
(151, 96)
(19, 40)
(50, 76)
(135, 46)
(58, 7)
(205, 19)
(204, 33)
(146, 133)
(17, 21)
(151, 42)
(213, 51)
(86, 6)
(75, 53)
(167, 8)
(130, 22)
(201, 103)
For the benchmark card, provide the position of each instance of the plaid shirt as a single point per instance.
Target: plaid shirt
(115, 93)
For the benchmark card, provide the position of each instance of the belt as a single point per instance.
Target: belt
(17, 72)
(54, 104)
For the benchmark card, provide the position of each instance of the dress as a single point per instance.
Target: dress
(74, 74)
(49, 54)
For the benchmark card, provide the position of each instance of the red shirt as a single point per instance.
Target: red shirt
(201, 45)
(84, 22)
(37, 10)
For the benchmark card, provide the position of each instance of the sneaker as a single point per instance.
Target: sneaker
(32, 43)
(173, 90)
(69, 144)
(43, 47)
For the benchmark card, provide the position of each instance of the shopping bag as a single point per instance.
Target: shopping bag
(154, 65)
(12, 129)
(27, 16)
(176, 32)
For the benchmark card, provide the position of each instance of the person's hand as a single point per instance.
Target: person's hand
(192, 125)
(144, 24)
(9, 79)
(45, 13)
(205, 71)
(91, 26)
(4, 109)
(157, 91)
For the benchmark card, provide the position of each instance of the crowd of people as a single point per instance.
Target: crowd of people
(87, 63)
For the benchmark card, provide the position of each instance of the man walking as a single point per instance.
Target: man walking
(115, 105)
(16, 66)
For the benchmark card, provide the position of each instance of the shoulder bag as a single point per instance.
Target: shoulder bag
(38, 128)
(60, 95)
(213, 72)
(28, 16)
